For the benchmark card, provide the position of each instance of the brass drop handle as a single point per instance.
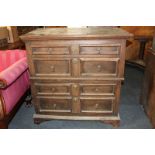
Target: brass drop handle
(96, 105)
(96, 89)
(99, 67)
(54, 106)
(52, 68)
(49, 50)
(53, 89)
(75, 60)
(98, 49)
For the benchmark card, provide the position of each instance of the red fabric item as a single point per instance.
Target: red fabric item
(9, 57)
(14, 71)
(15, 91)
(10, 74)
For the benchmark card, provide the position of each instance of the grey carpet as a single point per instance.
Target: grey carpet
(131, 112)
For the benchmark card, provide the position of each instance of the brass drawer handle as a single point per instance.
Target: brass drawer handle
(52, 68)
(53, 89)
(99, 67)
(75, 60)
(96, 89)
(98, 49)
(49, 50)
(96, 105)
(54, 106)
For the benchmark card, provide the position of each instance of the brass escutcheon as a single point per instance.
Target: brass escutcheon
(75, 60)
(75, 86)
(75, 99)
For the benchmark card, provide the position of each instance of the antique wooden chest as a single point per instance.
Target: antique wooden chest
(76, 73)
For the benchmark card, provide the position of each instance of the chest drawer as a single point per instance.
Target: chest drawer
(52, 67)
(53, 89)
(54, 104)
(100, 49)
(96, 105)
(98, 89)
(99, 66)
(55, 50)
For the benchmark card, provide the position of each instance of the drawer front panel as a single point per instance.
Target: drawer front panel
(98, 89)
(96, 105)
(53, 89)
(52, 67)
(99, 66)
(100, 49)
(62, 50)
(54, 104)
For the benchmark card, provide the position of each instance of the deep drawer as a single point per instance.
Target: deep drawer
(54, 104)
(97, 105)
(53, 89)
(52, 67)
(99, 66)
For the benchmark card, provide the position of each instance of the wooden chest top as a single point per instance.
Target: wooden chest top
(76, 33)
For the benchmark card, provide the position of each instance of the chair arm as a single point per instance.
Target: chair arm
(9, 75)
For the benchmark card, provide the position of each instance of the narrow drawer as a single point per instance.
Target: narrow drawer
(98, 89)
(52, 67)
(53, 89)
(97, 105)
(99, 66)
(60, 50)
(99, 49)
(54, 104)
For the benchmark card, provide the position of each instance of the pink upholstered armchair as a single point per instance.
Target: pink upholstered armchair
(14, 83)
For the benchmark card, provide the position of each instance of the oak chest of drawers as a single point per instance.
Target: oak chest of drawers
(76, 73)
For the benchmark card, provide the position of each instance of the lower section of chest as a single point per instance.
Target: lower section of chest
(76, 99)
